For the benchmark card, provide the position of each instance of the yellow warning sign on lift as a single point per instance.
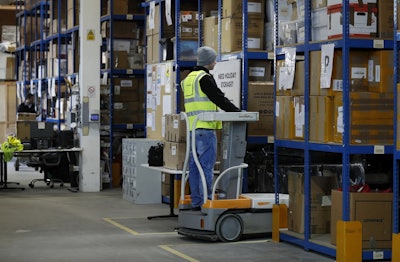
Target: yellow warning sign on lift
(90, 35)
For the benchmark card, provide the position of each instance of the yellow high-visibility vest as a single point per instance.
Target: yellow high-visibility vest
(197, 102)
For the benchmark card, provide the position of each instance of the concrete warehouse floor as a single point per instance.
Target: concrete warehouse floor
(45, 224)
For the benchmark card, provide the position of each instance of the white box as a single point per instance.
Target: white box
(319, 20)
(319, 33)
(337, 2)
(319, 17)
(364, 24)
(285, 11)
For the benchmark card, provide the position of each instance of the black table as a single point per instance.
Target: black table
(3, 164)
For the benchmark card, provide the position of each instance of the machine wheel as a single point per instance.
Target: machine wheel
(229, 228)
(31, 185)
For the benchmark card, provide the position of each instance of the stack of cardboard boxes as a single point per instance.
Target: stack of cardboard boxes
(128, 97)
(232, 25)
(174, 153)
(127, 35)
(371, 99)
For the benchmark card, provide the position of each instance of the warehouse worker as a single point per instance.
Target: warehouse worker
(28, 106)
(201, 94)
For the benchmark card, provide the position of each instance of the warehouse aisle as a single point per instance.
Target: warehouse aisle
(44, 224)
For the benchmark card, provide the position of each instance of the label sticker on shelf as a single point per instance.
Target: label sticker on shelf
(379, 43)
(379, 150)
(377, 255)
(129, 126)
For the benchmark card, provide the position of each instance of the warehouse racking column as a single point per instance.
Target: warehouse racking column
(89, 82)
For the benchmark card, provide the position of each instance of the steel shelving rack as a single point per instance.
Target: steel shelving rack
(244, 55)
(396, 154)
(112, 73)
(178, 64)
(36, 74)
(346, 149)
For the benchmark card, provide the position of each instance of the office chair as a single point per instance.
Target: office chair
(54, 166)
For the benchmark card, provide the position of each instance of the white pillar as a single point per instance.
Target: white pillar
(89, 82)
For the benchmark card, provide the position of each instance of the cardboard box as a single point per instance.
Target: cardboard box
(210, 32)
(260, 70)
(26, 116)
(320, 212)
(281, 90)
(120, 60)
(190, 18)
(321, 119)
(358, 73)
(299, 80)
(175, 128)
(261, 99)
(380, 71)
(119, 7)
(128, 89)
(174, 155)
(122, 29)
(8, 101)
(373, 210)
(233, 8)
(385, 19)
(284, 113)
(24, 130)
(7, 66)
(371, 118)
(231, 35)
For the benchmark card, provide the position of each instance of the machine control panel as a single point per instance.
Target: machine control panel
(229, 116)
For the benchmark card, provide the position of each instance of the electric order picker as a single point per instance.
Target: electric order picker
(229, 214)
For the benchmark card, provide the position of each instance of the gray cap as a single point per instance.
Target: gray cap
(205, 56)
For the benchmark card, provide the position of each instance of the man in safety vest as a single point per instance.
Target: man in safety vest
(201, 94)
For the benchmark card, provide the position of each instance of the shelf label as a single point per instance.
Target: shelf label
(379, 43)
(377, 255)
(129, 72)
(129, 17)
(129, 126)
(271, 55)
(379, 150)
(270, 139)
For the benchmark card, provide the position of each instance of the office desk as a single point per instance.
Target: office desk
(3, 167)
(172, 172)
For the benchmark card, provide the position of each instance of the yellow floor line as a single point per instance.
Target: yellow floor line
(133, 232)
(130, 231)
(178, 254)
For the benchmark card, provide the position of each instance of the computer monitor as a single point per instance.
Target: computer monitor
(42, 135)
